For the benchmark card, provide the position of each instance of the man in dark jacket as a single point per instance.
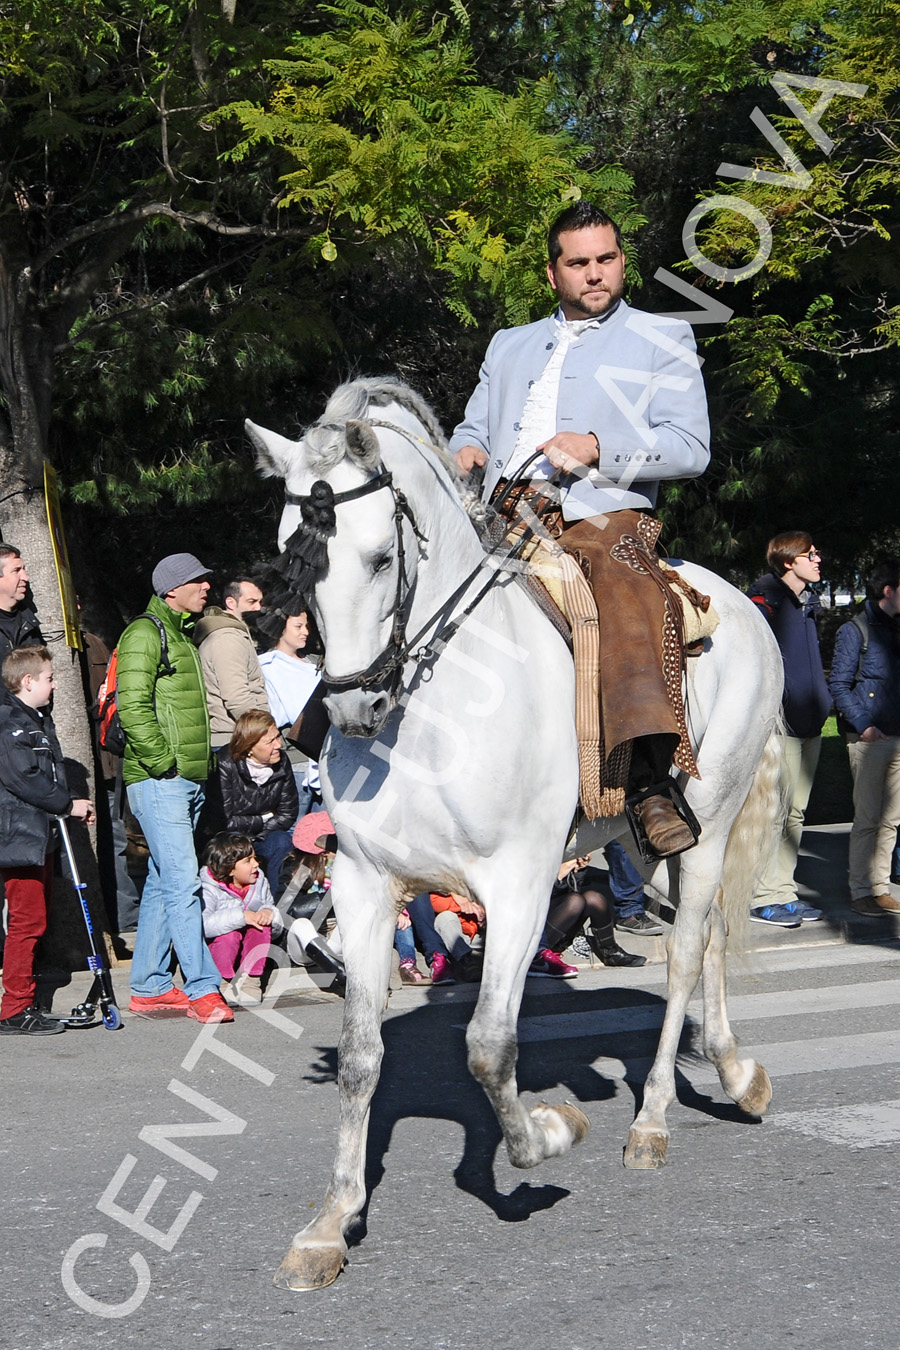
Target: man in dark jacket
(865, 682)
(166, 764)
(19, 625)
(32, 790)
(785, 597)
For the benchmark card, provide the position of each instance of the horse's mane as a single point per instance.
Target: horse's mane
(326, 443)
(353, 400)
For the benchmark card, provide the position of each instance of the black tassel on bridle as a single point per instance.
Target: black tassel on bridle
(293, 575)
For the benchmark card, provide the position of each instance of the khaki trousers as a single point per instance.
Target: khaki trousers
(801, 756)
(875, 767)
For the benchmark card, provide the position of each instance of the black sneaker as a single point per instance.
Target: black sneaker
(641, 925)
(31, 1022)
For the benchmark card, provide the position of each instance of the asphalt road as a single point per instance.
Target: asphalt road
(773, 1233)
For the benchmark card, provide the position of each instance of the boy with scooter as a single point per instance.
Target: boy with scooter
(32, 791)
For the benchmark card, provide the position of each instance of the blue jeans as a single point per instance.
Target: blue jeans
(128, 902)
(624, 881)
(405, 944)
(271, 849)
(309, 799)
(167, 810)
(427, 936)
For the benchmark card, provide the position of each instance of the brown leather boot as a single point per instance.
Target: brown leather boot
(666, 832)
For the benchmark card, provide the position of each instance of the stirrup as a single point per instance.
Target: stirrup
(668, 788)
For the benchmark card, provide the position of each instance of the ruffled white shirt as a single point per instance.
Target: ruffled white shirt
(538, 420)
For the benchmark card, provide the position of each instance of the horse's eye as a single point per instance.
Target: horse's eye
(382, 564)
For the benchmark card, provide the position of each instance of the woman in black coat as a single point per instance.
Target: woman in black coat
(259, 792)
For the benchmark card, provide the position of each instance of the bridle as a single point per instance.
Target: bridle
(387, 667)
(389, 663)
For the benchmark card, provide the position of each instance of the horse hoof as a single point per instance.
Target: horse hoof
(562, 1126)
(577, 1121)
(645, 1152)
(309, 1267)
(755, 1100)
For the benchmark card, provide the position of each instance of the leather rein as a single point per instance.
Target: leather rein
(387, 667)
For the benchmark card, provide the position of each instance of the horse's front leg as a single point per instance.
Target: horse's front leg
(512, 936)
(744, 1081)
(648, 1139)
(367, 919)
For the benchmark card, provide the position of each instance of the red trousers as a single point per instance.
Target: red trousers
(27, 895)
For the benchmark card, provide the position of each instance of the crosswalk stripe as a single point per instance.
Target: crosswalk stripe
(781, 1059)
(741, 1008)
(859, 1126)
(866, 1126)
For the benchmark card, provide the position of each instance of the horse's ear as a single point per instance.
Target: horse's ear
(362, 445)
(275, 455)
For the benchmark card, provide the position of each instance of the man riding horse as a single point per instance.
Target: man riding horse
(608, 401)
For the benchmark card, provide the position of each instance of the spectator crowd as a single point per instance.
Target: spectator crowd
(240, 849)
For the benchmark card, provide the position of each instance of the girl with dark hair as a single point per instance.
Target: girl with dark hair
(239, 915)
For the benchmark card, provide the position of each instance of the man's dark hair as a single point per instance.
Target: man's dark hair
(885, 573)
(785, 547)
(233, 588)
(7, 551)
(579, 216)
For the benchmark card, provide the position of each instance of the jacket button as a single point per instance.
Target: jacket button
(549, 347)
(530, 384)
(516, 427)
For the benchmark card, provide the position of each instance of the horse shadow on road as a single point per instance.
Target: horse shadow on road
(425, 1075)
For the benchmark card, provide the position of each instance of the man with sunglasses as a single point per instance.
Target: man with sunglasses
(785, 597)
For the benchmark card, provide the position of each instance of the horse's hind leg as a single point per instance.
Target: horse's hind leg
(545, 1131)
(745, 1081)
(316, 1255)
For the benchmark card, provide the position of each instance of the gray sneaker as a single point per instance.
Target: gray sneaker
(778, 916)
(641, 925)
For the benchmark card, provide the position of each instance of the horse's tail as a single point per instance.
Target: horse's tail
(752, 837)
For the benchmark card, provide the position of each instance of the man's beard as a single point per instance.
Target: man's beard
(581, 304)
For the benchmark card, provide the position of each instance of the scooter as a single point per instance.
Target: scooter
(101, 991)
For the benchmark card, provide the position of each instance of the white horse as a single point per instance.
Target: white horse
(462, 776)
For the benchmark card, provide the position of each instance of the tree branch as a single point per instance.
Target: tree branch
(150, 302)
(137, 215)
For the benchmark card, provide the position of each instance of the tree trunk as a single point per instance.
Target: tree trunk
(26, 379)
(24, 524)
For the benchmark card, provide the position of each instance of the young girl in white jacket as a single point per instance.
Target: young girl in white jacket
(239, 915)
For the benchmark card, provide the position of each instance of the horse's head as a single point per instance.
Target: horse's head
(277, 457)
(360, 585)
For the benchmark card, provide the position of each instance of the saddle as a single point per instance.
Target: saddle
(632, 620)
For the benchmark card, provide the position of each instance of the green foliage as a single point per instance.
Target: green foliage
(388, 134)
(225, 218)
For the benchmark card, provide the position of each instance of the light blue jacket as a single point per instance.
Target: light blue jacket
(634, 380)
